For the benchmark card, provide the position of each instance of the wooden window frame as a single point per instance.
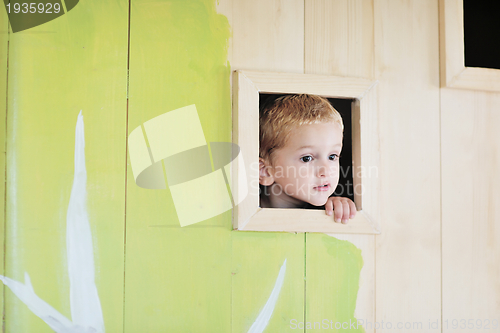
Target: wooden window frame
(454, 74)
(247, 215)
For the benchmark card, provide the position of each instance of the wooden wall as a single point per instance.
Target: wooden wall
(436, 259)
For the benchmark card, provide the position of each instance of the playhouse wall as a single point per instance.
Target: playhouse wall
(125, 63)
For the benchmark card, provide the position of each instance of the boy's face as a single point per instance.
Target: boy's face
(309, 160)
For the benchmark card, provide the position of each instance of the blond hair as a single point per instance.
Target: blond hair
(278, 119)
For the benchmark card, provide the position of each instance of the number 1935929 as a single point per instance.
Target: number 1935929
(41, 8)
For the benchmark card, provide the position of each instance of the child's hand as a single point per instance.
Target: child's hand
(343, 208)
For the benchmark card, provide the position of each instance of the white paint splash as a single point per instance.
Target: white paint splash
(84, 300)
(265, 314)
(86, 309)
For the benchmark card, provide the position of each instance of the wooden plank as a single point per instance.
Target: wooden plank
(246, 135)
(408, 255)
(75, 62)
(339, 37)
(248, 84)
(308, 220)
(177, 279)
(365, 303)
(367, 166)
(485, 79)
(339, 283)
(268, 35)
(256, 262)
(225, 7)
(4, 42)
(339, 41)
(192, 69)
(471, 251)
(324, 85)
(451, 29)
(452, 56)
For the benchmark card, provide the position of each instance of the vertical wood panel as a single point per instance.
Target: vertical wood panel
(75, 62)
(268, 35)
(256, 261)
(177, 279)
(339, 37)
(471, 213)
(339, 41)
(339, 282)
(408, 265)
(225, 7)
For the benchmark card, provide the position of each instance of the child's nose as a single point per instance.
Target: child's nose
(323, 169)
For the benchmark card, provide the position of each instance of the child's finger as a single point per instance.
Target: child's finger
(337, 210)
(329, 207)
(352, 207)
(345, 210)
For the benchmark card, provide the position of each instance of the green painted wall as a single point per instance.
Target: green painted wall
(123, 65)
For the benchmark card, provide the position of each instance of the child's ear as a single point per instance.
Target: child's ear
(265, 178)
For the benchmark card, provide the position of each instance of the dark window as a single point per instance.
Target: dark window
(482, 33)
(345, 188)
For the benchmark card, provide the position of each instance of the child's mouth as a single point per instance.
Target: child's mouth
(325, 187)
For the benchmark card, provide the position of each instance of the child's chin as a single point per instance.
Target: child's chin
(318, 203)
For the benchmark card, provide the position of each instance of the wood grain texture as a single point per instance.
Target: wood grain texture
(339, 41)
(471, 251)
(485, 79)
(451, 30)
(245, 133)
(366, 161)
(4, 42)
(308, 220)
(256, 261)
(454, 74)
(408, 255)
(75, 62)
(339, 37)
(324, 85)
(247, 86)
(268, 35)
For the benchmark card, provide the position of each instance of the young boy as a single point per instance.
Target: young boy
(300, 144)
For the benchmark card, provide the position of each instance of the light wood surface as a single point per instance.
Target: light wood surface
(339, 41)
(308, 220)
(436, 150)
(245, 134)
(268, 35)
(248, 85)
(339, 37)
(324, 85)
(408, 252)
(75, 62)
(454, 74)
(471, 251)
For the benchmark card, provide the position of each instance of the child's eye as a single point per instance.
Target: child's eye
(306, 159)
(334, 157)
